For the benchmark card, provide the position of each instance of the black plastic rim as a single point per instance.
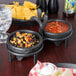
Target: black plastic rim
(27, 31)
(24, 54)
(61, 39)
(70, 27)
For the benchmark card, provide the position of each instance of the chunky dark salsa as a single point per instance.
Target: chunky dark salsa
(24, 40)
(56, 27)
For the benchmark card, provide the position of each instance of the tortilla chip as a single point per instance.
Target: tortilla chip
(27, 13)
(13, 13)
(19, 13)
(12, 6)
(29, 4)
(42, 14)
(16, 3)
(34, 12)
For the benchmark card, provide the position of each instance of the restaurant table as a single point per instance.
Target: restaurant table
(50, 52)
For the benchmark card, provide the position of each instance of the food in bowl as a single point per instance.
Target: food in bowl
(56, 27)
(25, 11)
(43, 69)
(24, 40)
(63, 73)
(47, 70)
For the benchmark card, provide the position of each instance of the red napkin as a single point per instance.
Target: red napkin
(39, 66)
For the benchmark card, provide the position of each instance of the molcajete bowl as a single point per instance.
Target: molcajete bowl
(25, 50)
(58, 35)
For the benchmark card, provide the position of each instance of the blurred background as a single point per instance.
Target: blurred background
(7, 1)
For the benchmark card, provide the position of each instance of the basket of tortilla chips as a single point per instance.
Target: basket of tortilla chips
(22, 12)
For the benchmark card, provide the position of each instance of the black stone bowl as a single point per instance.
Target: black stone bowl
(25, 50)
(58, 35)
(21, 22)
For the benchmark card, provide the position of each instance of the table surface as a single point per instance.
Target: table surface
(50, 52)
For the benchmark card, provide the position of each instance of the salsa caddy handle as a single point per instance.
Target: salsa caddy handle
(41, 21)
(40, 24)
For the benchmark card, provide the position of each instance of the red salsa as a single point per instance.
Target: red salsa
(57, 27)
